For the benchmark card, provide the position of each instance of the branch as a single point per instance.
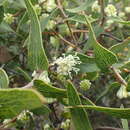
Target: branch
(119, 77)
(65, 16)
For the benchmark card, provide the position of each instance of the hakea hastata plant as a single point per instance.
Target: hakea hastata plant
(91, 71)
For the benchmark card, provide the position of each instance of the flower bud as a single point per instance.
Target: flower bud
(8, 18)
(85, 84)
(122, 92)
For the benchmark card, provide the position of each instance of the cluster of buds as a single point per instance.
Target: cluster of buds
(110, 10)
(85, 84)
(96, 7)
(8, 18)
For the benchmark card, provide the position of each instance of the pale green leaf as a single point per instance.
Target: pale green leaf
(104, 58)
(116, 112)
(88, 64)
(50, 91)
(4, 80)
(82, 7)
(121, 46)
(14, 101)
(36, 55)
(79, 116)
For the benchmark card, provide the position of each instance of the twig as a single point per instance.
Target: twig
(101, 2)
(68, 42)
(65, 16)
(111, 36)
(29, 85)
(119, 77)
(11, 121)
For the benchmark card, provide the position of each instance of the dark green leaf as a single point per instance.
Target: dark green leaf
(116, 112)
(79, 116)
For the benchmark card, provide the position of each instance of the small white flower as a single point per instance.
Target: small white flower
(96, 7)
(121, 15)
(127, 9)
(46, 127)
(23, 115)
(66, 64)
(34, 73)
(42, 76)
(122, 92)
(50, 5)
(110, 10)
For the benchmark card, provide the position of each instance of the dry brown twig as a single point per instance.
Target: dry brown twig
(65, 16)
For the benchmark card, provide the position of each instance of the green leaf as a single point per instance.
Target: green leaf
(4, 27)
(14, 101)
(22, 21)
(53, 92)
(80, 18)
(116, 112)
(48, 90)
(24, 74)
(124, 122)
(82, 7)
(88, 64)
(36, 55)
(1, 13)
(120, 47)
(41, 110)
(104, 57)
(4, 80)
(79, 116)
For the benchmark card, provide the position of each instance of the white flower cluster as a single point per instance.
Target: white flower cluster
(66, 64)
(96, 7)
(122, 92)
(110, 10)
